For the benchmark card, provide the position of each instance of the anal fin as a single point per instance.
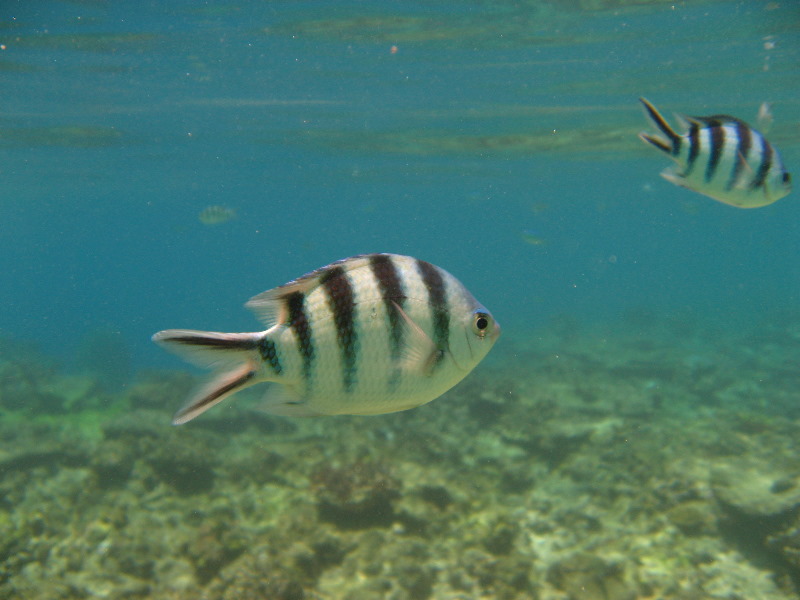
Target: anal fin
(284, 400)
(673, 177)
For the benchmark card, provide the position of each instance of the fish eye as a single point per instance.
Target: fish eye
(480, 323)
(787, 178)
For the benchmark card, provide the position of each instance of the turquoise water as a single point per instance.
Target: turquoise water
(496, 140)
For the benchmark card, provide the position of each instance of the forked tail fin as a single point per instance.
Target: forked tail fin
(672, 144)
(234, 356)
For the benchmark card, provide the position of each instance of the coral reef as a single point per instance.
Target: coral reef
(356, 496)
(584, 466)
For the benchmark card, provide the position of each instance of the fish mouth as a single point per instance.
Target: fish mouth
(495, 335)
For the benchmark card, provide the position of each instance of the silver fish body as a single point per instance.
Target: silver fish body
(370, 334)
(721, 157)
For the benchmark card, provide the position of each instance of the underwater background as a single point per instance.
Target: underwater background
(633, 434)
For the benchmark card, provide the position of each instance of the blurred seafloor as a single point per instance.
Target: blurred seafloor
(586, 464)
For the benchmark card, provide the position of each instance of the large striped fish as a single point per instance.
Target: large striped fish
(721, 157)
(371, 334)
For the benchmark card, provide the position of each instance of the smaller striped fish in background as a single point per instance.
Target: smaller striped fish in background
(371, 334)
(216, 215)
(721, 157)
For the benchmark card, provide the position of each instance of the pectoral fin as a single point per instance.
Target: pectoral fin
(418, 354)
(742, 183)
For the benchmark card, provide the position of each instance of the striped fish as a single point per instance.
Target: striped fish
(371, 334)
(721, 157)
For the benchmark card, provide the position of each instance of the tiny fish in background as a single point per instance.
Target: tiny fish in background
(216, 215)
(764, 119)
(529, 236)
(371, 334)
(721, 157)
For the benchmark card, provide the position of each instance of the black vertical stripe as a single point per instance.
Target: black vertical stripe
(297, 320)
(742, 150)
(392, 292)
(717, 139)
(694, 148)
(341, 301)
(437, 298)
(765, 166)
(268, 352)
(676, 145)
(716, 135)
